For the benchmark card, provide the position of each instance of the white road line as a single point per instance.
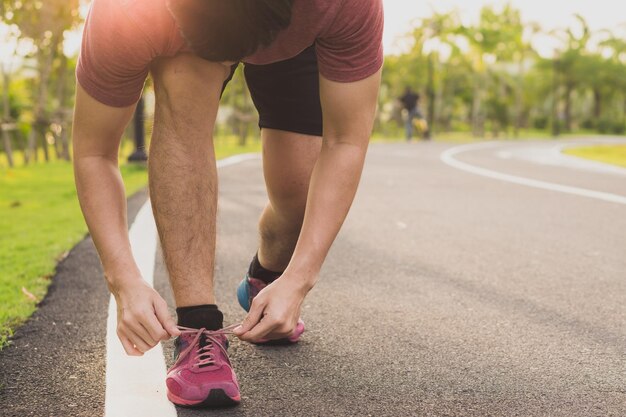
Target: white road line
(135, 386)
(552, 155)
(448, 157)
(236, 159)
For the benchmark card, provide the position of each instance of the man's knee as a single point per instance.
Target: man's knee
(187, 90)
(289, 197)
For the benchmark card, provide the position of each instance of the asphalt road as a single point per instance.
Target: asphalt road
(446, 294)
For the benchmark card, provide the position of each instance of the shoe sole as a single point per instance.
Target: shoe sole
(243, 296)
(217, 398)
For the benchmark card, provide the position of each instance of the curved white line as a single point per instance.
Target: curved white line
(448, 157)
(136, 386)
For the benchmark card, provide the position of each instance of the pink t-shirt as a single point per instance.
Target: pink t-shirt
(122, 37)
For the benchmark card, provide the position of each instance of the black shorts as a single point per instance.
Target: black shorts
(287, 93)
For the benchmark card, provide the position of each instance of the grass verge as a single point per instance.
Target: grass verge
(40, 220)
(609, 154)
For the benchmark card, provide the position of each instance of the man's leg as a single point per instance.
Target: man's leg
(409, 126)
(287, 96)
(183, 179)
(288, 160)
(183, 189)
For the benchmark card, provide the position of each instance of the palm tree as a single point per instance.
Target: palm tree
(570, 62)
(617, 47)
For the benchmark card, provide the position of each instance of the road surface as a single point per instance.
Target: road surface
(454, 289)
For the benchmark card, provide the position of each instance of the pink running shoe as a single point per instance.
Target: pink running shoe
(202, 375)
(247, 290)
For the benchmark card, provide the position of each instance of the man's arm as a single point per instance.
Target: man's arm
(349, 110)
(142, 314)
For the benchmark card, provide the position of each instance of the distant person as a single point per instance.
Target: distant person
(410, 101)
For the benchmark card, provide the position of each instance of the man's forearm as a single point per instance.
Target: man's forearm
(103, 201)
(142, 316)
(348, 110)
(332, 189)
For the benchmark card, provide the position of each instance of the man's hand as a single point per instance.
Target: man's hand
(275, 311)
(142, 317)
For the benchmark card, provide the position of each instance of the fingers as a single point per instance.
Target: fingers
(143, 319)
(166, 320)
(128, 346)
(154, 328)
(273, 325)
(280, 331)
(138, 334)
(265, 327)
(138, 338)
(268, 328)
(254, 316)
(142, 329)
(260, 324)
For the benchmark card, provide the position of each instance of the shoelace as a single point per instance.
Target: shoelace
(211, 339)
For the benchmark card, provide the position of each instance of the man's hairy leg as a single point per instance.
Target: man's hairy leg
(288, 160)
(182, 171)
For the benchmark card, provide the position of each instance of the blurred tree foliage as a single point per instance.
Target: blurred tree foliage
(38, 82)
(43, 24)
(488, 78)
(485, 78)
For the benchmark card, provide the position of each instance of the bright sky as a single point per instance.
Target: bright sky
(550, 14)
(401, 14)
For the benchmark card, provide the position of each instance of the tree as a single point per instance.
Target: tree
(616, 46)
(9, 46)
(422, 66)
(44, 24)
(498, 52)
(242, 114)
(570, 67)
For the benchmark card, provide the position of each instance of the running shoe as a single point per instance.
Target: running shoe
(202, 375)
(247, 290)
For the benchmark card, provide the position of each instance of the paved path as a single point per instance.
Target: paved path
(448, 292)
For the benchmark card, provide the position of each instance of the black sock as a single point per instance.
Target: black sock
(206, 316)
(257, 271)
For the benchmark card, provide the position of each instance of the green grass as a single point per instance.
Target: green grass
(40, 220)
(610, 154)
(228, 146)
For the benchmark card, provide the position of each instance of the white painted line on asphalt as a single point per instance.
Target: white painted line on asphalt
(448, 157)
(233, 160)
(552, 155)
(135, 386)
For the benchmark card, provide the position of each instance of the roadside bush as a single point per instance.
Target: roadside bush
(541, 122)
(608, 126)
(588, 124)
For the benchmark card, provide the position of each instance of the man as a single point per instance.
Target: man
(306, 61)
(409, 102)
